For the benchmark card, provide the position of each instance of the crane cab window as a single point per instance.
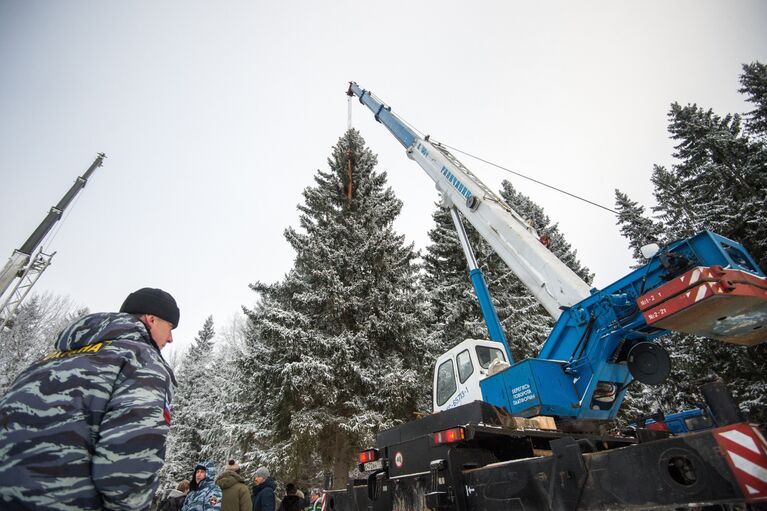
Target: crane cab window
(698, 422)
(446, 385)
(465, 367)
(486, 355)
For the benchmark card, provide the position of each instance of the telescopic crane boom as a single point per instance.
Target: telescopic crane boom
(554, 284)
(22, 269)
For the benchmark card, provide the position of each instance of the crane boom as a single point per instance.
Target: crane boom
(552, 282)
(21, 268)
(54, 215)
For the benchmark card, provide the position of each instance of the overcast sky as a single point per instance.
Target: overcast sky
(215, 115)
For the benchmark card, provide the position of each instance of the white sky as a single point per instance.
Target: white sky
(215, 116)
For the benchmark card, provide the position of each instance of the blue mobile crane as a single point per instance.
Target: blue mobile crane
(602, 339)
(530, 434)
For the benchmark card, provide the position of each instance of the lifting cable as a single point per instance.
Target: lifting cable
(406, 123)
(531, 179)
(47, 241)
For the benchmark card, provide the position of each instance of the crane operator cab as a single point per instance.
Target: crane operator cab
(458, 372)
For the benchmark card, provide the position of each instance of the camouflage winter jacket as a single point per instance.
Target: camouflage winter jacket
(84, 427)
(205, 496)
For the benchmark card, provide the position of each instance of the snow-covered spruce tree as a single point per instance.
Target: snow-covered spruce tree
(455, 309)
(194, 409)
(754, 86)
(635, 226)
(253, 427)
(33, 333)
(342, 336)
(720, 184)
(221, 440)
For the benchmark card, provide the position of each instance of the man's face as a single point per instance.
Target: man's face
(160, 330)
(259, 480)
(199, 474)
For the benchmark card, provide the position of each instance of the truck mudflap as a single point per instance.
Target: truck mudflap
(722, 466)
(746, 452)
(354, 496)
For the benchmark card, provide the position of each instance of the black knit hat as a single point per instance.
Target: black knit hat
(153, 301)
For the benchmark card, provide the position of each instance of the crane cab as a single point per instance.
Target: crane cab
(458, 372)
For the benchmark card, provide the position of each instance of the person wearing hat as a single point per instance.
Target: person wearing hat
(204, 494)
(292, 500)
(236, 495)
(84, 427)
(264, 498)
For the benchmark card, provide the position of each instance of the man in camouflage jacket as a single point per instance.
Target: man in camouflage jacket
(84, 427)
(204, 494)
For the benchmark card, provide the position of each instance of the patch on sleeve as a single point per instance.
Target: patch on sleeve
(83, 350)
(166, 410)
(213, 500)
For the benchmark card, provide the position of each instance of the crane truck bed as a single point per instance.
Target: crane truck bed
(475, 458)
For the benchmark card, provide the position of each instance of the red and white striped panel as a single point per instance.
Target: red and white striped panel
(746, 452)
(679, 284)
(682, 301)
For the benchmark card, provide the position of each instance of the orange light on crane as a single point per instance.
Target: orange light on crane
(449, 436)
(368, 455)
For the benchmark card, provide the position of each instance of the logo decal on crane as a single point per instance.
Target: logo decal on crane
(456, 183)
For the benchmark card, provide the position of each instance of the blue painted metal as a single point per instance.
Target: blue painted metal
(590, 340)
(531, 387)
(488, 311)
(686, 421)
(383, 114)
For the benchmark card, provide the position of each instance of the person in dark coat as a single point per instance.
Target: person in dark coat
(315, 501)
(263, 491)
(174, 501)
(235, 494)
(291, 502)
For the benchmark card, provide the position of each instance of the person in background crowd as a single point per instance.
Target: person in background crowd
(235, 495)
(85, 426)
(174, 501)
(204, 494)
(314, 501)
(291, 502)
(263, 491)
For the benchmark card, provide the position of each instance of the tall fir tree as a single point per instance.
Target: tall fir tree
(718, 183)
(754, 86)
(341, 340)
(455, 312)
(635, 226)
(194, 409)
(33, 333)
(220, 440)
